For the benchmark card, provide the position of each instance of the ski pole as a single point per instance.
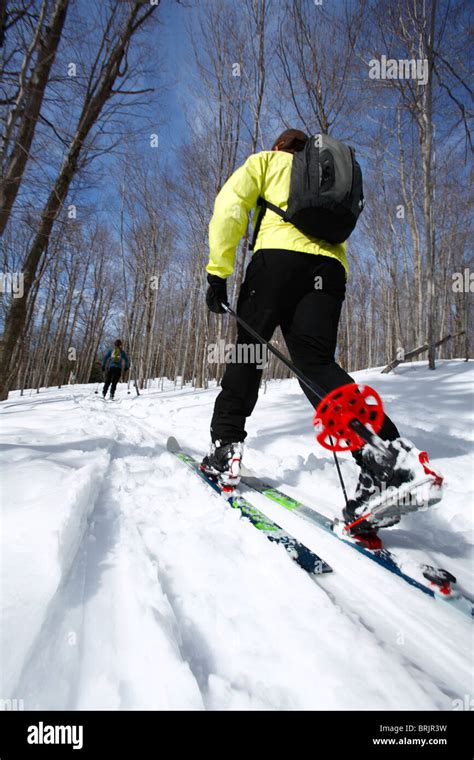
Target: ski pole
(362, 431)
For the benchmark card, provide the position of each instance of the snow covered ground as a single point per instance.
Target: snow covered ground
(127, 584)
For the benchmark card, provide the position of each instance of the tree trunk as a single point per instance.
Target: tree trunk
(91, 110)
(48, 44)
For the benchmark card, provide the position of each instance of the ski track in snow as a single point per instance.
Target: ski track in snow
(128, 584)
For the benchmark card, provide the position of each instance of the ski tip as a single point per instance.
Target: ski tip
(324, 568)
(173, 445)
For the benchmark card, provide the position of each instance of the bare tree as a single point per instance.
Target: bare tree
(107, 69)
(25, 105)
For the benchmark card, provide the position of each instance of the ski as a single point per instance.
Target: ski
(304, 557)
(435, 582)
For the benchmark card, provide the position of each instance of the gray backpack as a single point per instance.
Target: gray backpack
(326, 193)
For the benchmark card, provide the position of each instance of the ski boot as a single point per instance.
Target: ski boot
(380, 501)
(222, 464)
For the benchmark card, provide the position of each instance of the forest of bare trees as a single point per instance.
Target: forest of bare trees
(106, 193)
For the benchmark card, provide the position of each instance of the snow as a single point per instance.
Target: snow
(128, 584)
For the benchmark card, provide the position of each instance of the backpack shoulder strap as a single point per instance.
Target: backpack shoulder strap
(264, 205)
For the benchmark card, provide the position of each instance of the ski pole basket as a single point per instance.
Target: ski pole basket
(339, 414)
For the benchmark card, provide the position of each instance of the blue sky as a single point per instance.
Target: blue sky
(173, 39)
(166, 108)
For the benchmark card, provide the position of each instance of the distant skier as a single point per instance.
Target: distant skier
(296, 282)
(115, 362)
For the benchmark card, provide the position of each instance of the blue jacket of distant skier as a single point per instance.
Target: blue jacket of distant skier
(117, 363)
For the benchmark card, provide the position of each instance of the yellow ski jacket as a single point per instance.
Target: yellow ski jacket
(267, 174)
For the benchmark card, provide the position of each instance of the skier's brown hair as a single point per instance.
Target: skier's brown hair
(291, 141)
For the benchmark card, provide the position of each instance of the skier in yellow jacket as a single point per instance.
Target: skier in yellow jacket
(293, 281)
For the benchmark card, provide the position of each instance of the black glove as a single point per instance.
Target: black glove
(216, 294)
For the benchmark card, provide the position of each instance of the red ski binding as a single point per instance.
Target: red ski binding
(367, 540)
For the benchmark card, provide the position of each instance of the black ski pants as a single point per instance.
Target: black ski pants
(303, 294)
(111, 379)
